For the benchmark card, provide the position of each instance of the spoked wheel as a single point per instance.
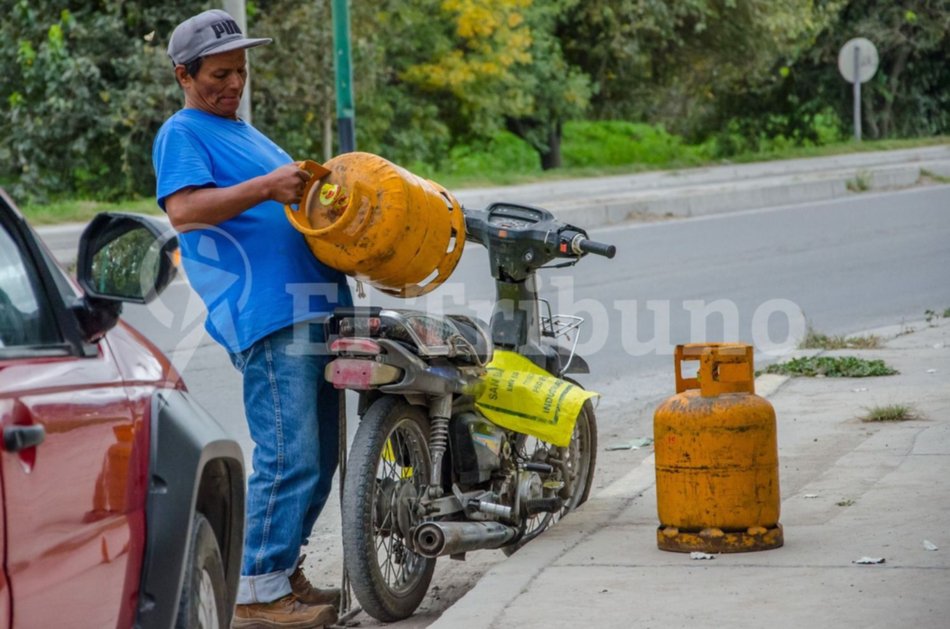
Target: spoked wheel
(574, 477)
(387, 470)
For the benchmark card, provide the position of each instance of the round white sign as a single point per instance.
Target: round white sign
(866, 60)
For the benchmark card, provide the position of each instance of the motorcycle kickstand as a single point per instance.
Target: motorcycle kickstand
(346, 613)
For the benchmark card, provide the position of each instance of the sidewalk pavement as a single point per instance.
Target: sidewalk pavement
(850, 489)
(599, 201)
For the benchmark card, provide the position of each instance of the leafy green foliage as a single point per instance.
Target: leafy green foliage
(292, 81)
(445, 85)
(86, 86)
(557, 90)
(908, 96)
(500, 65)
(832, 367)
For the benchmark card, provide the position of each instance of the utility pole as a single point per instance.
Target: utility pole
(345, 110)
(238, 10)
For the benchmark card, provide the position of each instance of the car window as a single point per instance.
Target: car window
(24, 316)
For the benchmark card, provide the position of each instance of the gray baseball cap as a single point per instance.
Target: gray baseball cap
(208, 33)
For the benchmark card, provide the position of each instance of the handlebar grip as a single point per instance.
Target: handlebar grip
(599, 248)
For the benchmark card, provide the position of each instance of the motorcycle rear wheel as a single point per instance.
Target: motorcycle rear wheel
(581, 458)
(388, 462)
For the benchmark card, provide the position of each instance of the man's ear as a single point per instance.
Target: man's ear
(182, 75)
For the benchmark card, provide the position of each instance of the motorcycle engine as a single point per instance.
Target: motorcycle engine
(482, 454)
(478, 447)
(530, 487)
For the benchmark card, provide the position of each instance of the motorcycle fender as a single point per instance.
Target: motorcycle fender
(578, 364)
(420, 376)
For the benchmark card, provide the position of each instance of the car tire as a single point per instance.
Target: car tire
(203, 603)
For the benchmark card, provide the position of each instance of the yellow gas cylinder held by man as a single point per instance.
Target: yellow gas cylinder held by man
(717, 486)
(375, 221)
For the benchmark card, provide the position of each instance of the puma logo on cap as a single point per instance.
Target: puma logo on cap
(225, 27)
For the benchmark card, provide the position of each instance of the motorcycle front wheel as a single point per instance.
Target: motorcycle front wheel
(577, 473)
(388, 468)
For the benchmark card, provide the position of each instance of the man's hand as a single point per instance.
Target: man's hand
(285, 184)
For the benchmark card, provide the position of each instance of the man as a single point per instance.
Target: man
(223, 185)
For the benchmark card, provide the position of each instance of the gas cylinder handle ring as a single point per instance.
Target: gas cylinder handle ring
(316, 171)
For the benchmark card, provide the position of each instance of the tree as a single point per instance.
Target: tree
(502, 66)
(86, 86)
(557, 90)
(293, 77)
(910, 93)
(674, 61)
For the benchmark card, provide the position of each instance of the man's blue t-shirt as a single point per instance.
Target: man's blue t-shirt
(254, 272)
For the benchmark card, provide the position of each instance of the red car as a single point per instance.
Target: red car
(121, 500)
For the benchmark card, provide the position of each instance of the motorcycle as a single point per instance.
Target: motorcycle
(427, 475)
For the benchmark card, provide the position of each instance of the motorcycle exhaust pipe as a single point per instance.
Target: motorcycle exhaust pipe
(435, 539)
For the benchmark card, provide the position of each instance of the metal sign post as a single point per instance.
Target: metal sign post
(857, 95)
(345, 111)
(857, 62)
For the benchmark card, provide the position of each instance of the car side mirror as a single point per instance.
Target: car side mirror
(126, 257)
(122, 257)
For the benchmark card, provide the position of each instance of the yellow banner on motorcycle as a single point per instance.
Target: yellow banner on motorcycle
(518, 395)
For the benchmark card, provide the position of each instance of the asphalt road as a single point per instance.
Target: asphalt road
(756, 276)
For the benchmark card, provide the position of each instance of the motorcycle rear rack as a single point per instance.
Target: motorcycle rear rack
(558, 325)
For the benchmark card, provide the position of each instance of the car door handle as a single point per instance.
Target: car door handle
(16, 438)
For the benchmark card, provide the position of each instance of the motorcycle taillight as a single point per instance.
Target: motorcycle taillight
(362, 326)
(355, 346)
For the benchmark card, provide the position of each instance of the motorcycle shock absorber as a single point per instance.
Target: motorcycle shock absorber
(440, 410)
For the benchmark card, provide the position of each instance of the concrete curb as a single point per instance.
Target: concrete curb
(718, 198)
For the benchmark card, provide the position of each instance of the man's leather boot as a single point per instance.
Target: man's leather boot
(284, 613)
(307, 593)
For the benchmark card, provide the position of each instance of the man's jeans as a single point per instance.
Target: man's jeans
(293, 417)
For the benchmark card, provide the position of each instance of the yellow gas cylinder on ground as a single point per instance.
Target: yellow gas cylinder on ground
(717, 486)
(371, 219)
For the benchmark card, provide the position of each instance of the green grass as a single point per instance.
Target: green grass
(891, 413)
(860, 183)
(930, 315)
(926, 174)
(80, 211)
(817, 340)
(616, 143)
(608, 147)
(832, 367)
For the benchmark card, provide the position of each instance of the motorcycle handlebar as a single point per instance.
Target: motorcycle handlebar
(599, 248)
(580, 245)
